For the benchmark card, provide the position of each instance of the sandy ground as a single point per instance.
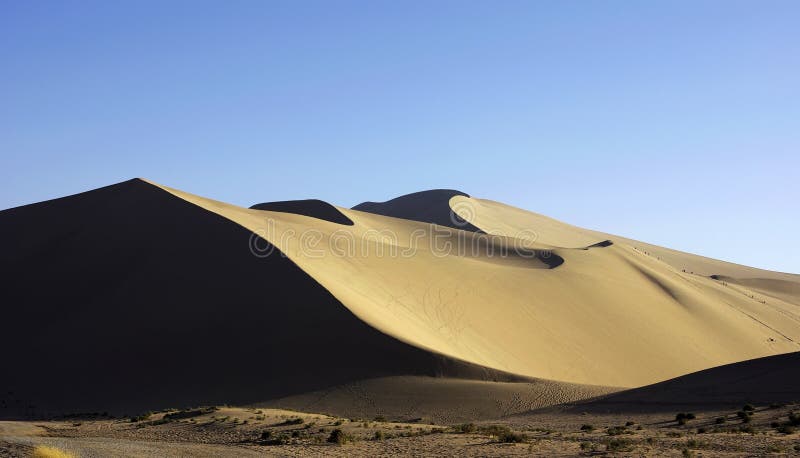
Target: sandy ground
(229, 431)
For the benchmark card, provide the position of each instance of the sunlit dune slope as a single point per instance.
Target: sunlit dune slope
(607, 314)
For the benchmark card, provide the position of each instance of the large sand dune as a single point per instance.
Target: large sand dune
(128, 298)
(136, 294)
(616, 315)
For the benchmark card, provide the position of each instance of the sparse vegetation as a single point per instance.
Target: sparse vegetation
(720, 420)
(588, 428)
(291, 421)
(619, 445)
(339, 437)
(465, 428)
(617, 430)
(683, 418)
(45, 451)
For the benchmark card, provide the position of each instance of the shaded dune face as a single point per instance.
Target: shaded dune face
(310, 207)
(426, 206)
(128, 298)
(758, 381)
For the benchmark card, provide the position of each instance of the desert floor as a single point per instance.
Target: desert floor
(230, 431)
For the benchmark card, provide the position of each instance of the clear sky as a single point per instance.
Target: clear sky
(677, 124)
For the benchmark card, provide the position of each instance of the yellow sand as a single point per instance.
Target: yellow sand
(612, 316)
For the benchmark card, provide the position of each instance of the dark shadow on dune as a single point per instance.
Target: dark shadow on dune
(603, 244)
(761, 381)
(127, 298)
(311, 207)
(426, 206)
(655, 281)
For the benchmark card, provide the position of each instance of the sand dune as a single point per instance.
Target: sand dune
(427, 206)
(761, 381)
(127, 298)
(441, 400)
(136, 296)
(614, 316)
(309, 207)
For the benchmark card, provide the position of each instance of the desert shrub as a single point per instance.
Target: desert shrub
(494, 430)
(380, 418)
(694, 443)
(701, 430)
(747, 429)
(511, 437)
(748, 408)
(465, 428)
(142, 417)
(686, 453)
(339, 437)
(45, 451)
(786, 429)
(720, 420)
(186, 414)
(379, 435)
(619, 445)
(338, 423)
(745, 415)
(280, 439)
(794, 419)
(674, 434)
(617, 430)
(160, 421)
(587, 428)
(292, 421)
(682, 418)
(588, 447)
(629, 423)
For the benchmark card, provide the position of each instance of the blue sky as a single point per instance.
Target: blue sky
(676, 124)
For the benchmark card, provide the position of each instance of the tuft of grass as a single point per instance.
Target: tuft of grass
(379, 435)
(45, 451)
(339, 437)
(617, 430)
(512, 437)
(619, 445)
(465, 428)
